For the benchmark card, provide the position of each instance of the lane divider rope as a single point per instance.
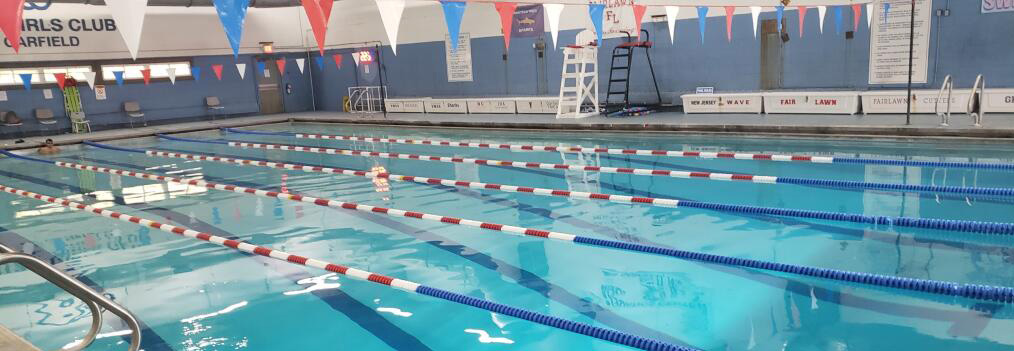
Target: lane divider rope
(973, 291)
(671, 153)
(405, 285)
(908, 222)
(639, 171)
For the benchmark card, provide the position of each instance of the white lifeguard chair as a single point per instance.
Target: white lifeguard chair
(579, 82)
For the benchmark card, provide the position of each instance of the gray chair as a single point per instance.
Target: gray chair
(11, 119)
(45, 117)
(214, 105)
(133, 110)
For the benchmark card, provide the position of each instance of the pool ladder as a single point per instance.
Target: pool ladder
(94, 300)
(948, 86)
(978, 90)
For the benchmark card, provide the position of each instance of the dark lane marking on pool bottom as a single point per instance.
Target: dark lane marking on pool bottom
(150, 340)
(359, 313)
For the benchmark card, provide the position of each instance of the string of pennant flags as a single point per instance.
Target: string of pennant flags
(129, 16)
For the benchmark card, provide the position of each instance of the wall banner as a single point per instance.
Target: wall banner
(528, 22)
(459, 62)
(990, 6)
(889, 42)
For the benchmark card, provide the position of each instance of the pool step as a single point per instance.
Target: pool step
(12, 342)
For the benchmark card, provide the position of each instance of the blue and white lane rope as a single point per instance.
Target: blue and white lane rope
(671, 153)
(843, 184)
(995, 228)
(973, 291)
(404, 285)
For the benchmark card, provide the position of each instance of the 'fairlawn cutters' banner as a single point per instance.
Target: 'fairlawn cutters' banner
(997, 6)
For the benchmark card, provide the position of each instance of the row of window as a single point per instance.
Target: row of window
(44, 75)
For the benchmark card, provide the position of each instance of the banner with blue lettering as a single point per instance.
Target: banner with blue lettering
(702, 20)
(26, 79)
(528, 21)
(596, 11)
(232, 13)
(119, 77)
(453, 12)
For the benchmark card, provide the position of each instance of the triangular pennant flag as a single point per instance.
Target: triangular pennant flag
(596, 11)
(281, 66)
(129, 18)
(857, 14)
(10, 21)
(90, 78)
(320, 62)
(779, 14)
(553, 11)
(241, 68)
(821, 11)
(869, 15)
(61, 79)
(146, 74)
(887, 8)
(260, 68)
(729, 12)
(390, 15)
(802, 19)
(671, 12)
(453, 12)
(837, 19)
(355, 58)
(702, 20)
(638, 16)
(218, 71)
(232, 14)
(506, 11)
(196, 73)
(755, 12)
(172, 75)
(318, 23)
(26, 79)
(119, 77)
(301, 63)
(338, 60)
(325, 7)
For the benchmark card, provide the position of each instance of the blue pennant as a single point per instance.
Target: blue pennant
(26, 79)
(260, 67)
(702, 20)
(196, 73)
(119, 77)
(595, 11)
(232, 13)
(453, 11)
(837, 19)
(320, 62)
(780, 13)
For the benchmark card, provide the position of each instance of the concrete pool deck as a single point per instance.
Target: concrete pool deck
(997, 127)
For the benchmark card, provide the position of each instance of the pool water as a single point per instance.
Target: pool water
(191, 295)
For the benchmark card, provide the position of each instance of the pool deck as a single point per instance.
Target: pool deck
(997, 127)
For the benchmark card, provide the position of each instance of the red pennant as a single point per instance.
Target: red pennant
(10, 21)
(61, 79)
(218, 71)
(146, 73)
(857, 13)
(325, 7)
(506, 10)
(638, 15)
(281, 65)
(315, 14)
(338, 60)
(729, 11)
(802, 19)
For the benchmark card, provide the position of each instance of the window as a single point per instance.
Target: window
(133, 71)
(41, 75)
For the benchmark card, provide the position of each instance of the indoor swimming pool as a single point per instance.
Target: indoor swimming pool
(811, 212)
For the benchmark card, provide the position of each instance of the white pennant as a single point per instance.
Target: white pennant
(671, 12)
(554, 11)
(390, 15)
(300, 62)
(869, 15)
(822, 10)
(129, 17)
(172, 75)
(355, 58)
(241, 68)
(755, 12)
(90, 78)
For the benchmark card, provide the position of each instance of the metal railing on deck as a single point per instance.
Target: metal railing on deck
(948, 86)
(980, 88)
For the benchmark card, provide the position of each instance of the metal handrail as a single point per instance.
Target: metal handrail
(977, 116)
(945, 117)
(91, 298)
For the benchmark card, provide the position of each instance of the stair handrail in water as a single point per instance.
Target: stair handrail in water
(671, 153)
(405, 285)
(842, 184)
(972, 291)
(997, 228)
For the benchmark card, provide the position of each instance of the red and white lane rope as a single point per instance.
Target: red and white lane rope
(328, 203)
(526, 147)
(424, 180)
(639, 171)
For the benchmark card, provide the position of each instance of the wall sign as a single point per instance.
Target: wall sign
(989, 6)
(889, 40)
(459, 62)
(100, 92)
(3, 95)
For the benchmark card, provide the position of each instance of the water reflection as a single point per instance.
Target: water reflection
(316, 283)
(486, 339)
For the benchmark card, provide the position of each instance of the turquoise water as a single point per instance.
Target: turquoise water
(192, 295)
